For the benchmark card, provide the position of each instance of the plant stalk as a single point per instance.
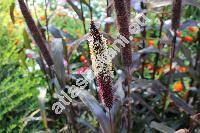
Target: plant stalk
(176, 16)
(35, 33)
(143, 42)
(157, 54)
(46, 19)
(123, 26)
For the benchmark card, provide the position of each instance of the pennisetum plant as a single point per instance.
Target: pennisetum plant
(102, 68)
(143, 41)
(123, 26)
(123, 12)
(38, 38)
(159, 44)
(35, 33)
(197, 61)
(97, 44)
(176, 15)
(128, 7)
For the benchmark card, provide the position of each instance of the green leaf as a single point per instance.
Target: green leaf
(27, 40)
(22, 57)
(12, 8)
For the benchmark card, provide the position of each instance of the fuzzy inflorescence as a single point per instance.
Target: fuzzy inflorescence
(122, 12)
(176, 14)
(101, 65)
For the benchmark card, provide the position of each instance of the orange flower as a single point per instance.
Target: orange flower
(78, 31)
(42, 18)
(160, 70)
(150, 42)
(60, 14)
(188, 39)
(82, 58)
(19, 21)
(150, 67)
(182, 69)
(178, 86)
(17, 41)
(179, 33)
(10, 28)
(136, 40)
(192, 28)
(17, 13)
(65, 30)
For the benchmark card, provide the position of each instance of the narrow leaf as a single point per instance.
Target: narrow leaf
(54, 31)
(96, 109)
(58, 58)
(138, 98)
(161, 127)
(180, 103)
(12, 7)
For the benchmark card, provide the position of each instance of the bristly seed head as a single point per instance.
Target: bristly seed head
(176, 14)
(102, 68)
